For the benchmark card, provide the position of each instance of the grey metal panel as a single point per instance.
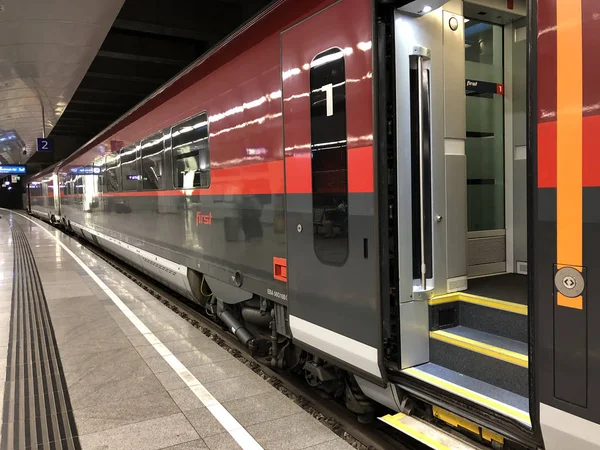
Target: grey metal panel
(455, 112)
(570, 336)
(319, 295)
(217, 250)
(454, 6)
(500, 8)
(456, 215)
(562, 430)
(227, 292)
(520, 210)
(403, 27)
(519, 125)
(384, 396)
(414, 333)
(424, 31)
(486, 269)
(448, 118)
(519, 87)
(486, 250)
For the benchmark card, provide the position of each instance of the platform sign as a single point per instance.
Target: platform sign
(44, 145)
(14, 179)
(12, 169)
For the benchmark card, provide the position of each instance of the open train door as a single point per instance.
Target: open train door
(332, 253)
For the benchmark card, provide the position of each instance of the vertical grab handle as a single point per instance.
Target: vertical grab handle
(421, 54)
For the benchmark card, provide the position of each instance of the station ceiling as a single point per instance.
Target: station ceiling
(149, 42)
(46, 48)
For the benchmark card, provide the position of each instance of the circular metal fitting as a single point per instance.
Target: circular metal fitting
(453, 23)
(569, 282)
(299, 228)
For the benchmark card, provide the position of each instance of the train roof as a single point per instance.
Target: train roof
(272, 19)
(47, 171)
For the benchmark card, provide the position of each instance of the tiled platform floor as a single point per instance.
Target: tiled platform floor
(124, 395)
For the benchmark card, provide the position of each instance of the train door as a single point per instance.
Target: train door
(332, 253)
(564, 124)
(461, 134)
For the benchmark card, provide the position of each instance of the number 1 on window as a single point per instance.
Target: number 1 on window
(328, 89)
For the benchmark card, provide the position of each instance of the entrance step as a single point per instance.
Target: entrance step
(500, 317)
(501, 401)
(487, 357)
(426, 433)
(511, 287)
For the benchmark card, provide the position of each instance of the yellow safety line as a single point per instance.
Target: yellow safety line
(395, 421)
(475, 397)
(503, 305)
(480, 347)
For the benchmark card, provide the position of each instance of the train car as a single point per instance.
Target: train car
(390, 197)
(42, 195)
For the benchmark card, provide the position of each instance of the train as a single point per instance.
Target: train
(305, 183)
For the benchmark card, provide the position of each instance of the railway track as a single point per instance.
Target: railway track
(335, 416)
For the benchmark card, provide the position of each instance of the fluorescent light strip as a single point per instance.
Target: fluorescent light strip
(231, 425)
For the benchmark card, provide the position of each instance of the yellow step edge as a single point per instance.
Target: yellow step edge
(473, 396)
(503, 305)
(430, 435)
(485, 349)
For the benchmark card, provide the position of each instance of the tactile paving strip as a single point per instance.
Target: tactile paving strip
(37, 409)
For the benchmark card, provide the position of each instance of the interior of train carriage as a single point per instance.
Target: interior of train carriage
(473, 293)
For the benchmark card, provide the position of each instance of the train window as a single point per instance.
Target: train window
(191, 157)
(111, 174)
(329, 156)
(152, 161)
(130, 168)
(98, 175)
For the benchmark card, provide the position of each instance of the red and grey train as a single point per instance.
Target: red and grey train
(266, 184)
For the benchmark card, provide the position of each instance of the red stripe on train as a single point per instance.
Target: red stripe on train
(547, 155)
(591, 153)
(360, 171)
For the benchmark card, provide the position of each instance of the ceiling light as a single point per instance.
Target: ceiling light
(426, 9)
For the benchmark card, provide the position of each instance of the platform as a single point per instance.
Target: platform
(90, 360)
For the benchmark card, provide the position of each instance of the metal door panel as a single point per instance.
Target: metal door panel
(333, 308)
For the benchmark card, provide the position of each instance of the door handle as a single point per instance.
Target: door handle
(421, 54)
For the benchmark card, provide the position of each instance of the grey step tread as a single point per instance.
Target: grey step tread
(489, 339)
(480, 388)
(494, 321)
(493, 365)
(511, 287)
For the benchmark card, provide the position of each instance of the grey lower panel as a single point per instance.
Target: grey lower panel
(562, 430)
(493, 392)
(37, 408)
(486, 250)
(414, 333)
(385, 396)
(456, 215)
